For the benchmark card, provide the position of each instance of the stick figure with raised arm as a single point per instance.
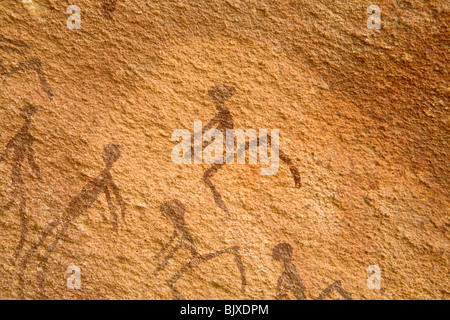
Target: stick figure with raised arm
(22, 146)
(174, 211)
(222, 121)
(33, 63)
(290, 281)
(78, 206)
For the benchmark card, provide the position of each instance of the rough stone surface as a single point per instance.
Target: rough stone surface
(362, 113)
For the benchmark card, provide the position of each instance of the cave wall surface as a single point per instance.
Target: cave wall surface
(362, 114)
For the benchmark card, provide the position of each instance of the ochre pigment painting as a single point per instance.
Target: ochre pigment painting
(224, 150)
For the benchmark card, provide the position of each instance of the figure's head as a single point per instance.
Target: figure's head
(173, 210)
(282, 252)
(111, 153)
(221, 93)
(28, 111)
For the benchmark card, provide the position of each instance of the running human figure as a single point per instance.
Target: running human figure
(222, 121)
(32, 63)
(22, 146)
(290, 281)
(174, 211)
(78, 206)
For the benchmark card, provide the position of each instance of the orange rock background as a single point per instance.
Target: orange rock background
(363, 114)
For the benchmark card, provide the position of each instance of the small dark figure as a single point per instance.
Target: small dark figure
(222, 121)
(78, 206)
(174, 211)
(290, 281)
(22, 146)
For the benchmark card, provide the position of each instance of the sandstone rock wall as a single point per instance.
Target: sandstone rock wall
(363, 114)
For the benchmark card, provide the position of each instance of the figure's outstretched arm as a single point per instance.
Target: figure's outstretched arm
(11, 45)
(17, 43)
(34, 166)
(169, 256)
(112, 208)
(166, 245)
(11, 49)
(190, 246)
(119, 198)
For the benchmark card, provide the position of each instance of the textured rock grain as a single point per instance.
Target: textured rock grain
(362, 113)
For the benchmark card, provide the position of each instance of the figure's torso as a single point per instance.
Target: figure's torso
(88, 195)
(225, 119)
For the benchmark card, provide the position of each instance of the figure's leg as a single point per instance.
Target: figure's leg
(51, 226)
(176, 294)
(9, 204)
(240, 265)
(48, 252)
(169, 256)
(285, 158)
(237, 259)
(23, 225)
(294, 284)
(294, 171)
(207, 179)
(213, 170)
(171, 282)
(196, 261)
(335, 286)
(299, 292)
(112, 208)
